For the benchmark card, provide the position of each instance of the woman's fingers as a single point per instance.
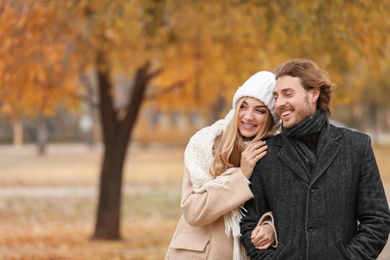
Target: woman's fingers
(255, 145)
(259, 153)
(254, 149)
(251, 155)
(265, 246)
(263, 236)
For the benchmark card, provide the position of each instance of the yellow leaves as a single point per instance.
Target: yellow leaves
(6, 109)
(212, 47)
(33, 67)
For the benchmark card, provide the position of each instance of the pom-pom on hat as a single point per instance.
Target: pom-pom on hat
(260, 86)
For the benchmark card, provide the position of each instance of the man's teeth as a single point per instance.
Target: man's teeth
(285, 113)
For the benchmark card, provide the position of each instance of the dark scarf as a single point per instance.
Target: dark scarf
(307, 139)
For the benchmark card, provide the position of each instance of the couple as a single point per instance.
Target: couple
(311, 192)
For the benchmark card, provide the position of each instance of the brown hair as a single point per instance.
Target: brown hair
(311, 76)
(231, 143)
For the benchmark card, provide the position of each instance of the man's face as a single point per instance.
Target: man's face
(293, 102)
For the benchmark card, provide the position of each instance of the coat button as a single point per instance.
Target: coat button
(311, 229)
(312, 190)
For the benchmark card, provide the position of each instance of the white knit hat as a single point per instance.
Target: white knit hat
(260, 86)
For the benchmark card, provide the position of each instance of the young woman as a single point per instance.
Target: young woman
(219, 160)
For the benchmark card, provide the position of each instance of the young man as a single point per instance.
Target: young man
(321, 182)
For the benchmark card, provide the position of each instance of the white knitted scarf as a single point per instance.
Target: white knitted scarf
(198, 156)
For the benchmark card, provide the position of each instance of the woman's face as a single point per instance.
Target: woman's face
(252, 115)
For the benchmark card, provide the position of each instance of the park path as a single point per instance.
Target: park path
(89, 191)
(80, 191)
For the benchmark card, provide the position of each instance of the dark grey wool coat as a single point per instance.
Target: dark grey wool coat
(341, 212)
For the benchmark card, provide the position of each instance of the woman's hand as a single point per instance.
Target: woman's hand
(263, 236)
(251, 155)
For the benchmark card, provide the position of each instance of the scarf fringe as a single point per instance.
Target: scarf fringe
(239, 252)
(232, 221)
(232, 226)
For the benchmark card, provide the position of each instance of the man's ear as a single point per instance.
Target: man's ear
(314, 94)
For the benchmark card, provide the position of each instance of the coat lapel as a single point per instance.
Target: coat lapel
(328, 153)
(290, 157)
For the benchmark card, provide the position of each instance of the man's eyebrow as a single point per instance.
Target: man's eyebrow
(286, 89)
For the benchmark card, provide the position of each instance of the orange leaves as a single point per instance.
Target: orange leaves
(218, 45)
(33, 66)
(212, 46)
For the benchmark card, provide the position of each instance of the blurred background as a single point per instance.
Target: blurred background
(98, 99)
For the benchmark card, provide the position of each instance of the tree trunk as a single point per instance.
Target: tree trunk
(18, 132)
(116, 136)
(42, 135)
(108, 215)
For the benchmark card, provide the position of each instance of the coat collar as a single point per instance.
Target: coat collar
(328, 153)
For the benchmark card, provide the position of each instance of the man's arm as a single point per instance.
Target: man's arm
(252, 216)
(372, 211)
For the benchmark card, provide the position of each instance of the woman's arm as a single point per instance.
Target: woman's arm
(204, 208)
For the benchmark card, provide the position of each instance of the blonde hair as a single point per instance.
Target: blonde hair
(231, 143)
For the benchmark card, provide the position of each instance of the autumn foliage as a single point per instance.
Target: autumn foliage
(36, 75)
(211, 46)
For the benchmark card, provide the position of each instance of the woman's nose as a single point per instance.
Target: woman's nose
(249, 115)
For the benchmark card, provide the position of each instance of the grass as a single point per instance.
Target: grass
(48, 204)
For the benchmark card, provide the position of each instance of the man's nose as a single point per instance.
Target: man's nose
(279, 102)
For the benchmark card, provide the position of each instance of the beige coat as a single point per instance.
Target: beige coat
(200, 233)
